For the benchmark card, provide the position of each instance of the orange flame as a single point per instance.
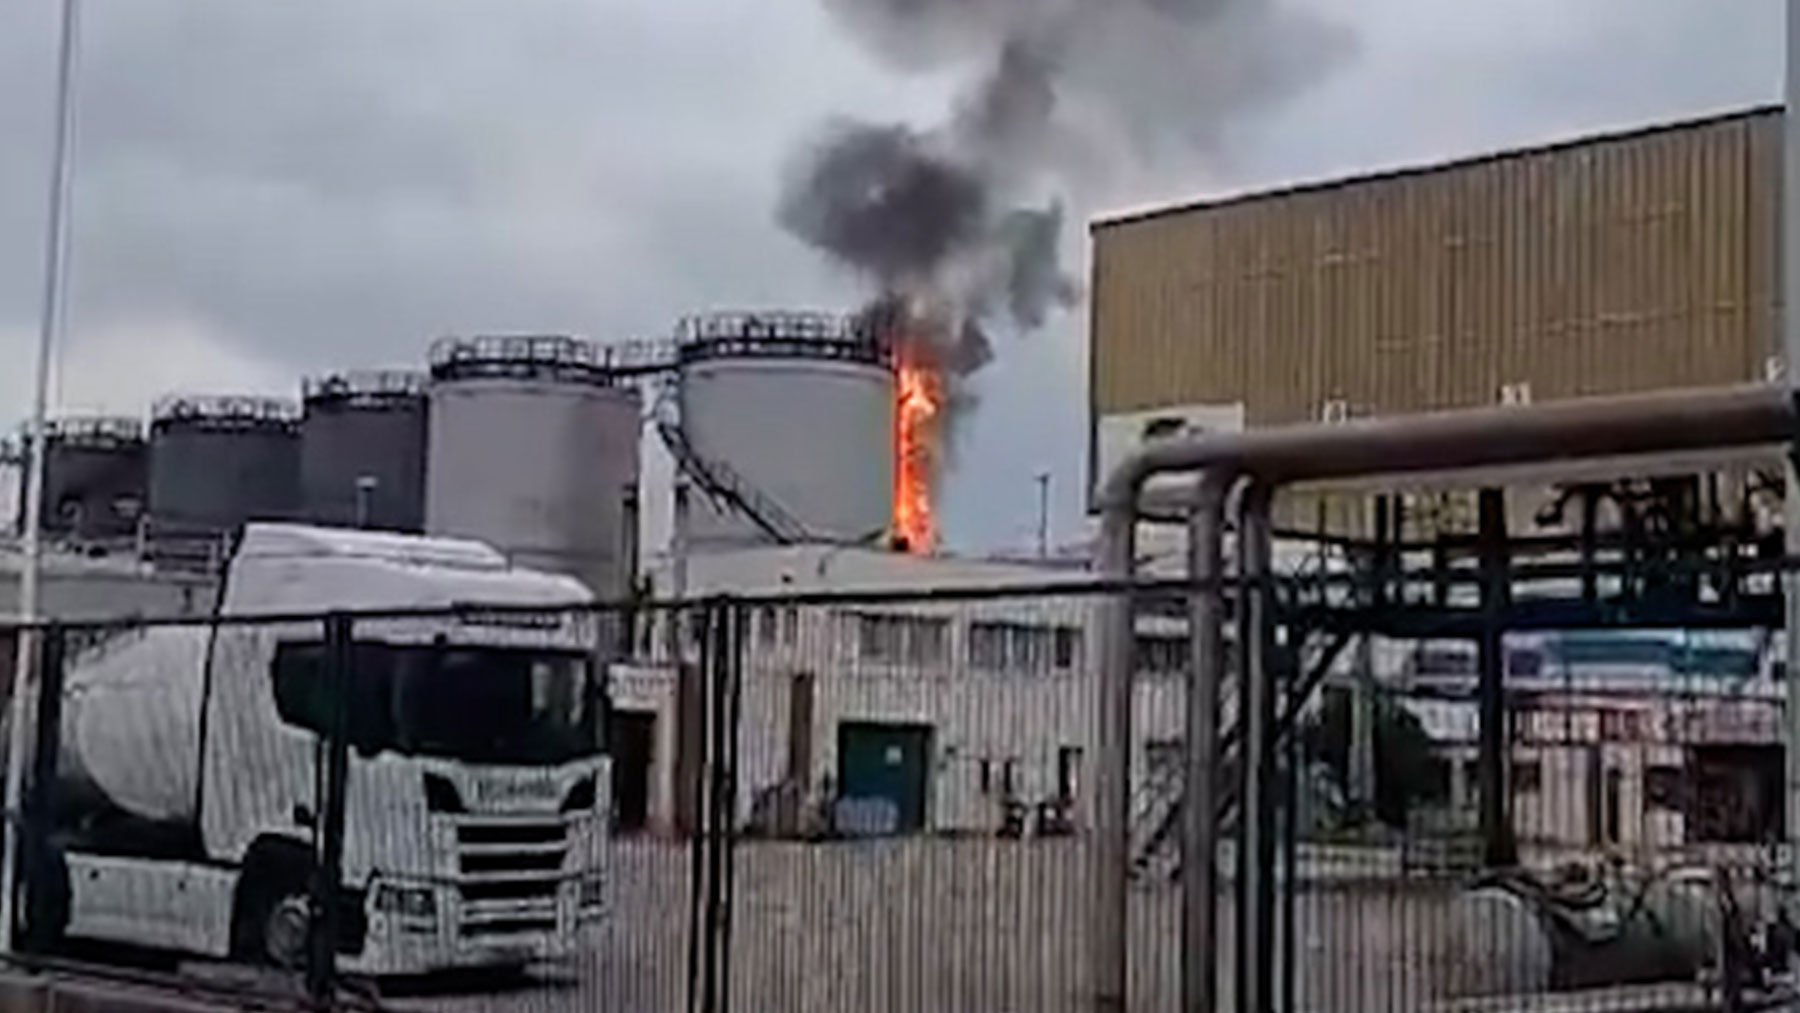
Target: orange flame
(920, 395)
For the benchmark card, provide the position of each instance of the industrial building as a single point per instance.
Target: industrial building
(1635, 261)
(977, 704)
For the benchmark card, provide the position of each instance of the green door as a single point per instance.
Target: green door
(889, 762)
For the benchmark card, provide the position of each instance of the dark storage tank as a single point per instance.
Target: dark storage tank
(362, 450)
(96, 472)
(217, 462)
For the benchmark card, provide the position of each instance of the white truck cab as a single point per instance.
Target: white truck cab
(476, 799)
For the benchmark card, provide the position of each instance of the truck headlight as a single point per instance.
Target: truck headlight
(406, 901)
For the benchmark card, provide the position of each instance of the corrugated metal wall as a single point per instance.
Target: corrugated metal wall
(1627, 262)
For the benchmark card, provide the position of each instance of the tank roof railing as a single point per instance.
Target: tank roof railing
(525, 357)
(780, 334)
(91, 430)
(364, 385)
(225, 408)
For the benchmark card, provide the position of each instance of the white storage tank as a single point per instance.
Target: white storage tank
(798, 407)
(533, 448)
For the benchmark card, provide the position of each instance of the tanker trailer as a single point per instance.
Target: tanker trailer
(476, 796)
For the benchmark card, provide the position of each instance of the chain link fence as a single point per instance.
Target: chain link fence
(875, 801)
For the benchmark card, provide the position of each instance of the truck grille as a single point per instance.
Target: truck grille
(511, 870)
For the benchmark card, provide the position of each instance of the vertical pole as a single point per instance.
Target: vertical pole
(365, 499)
(321, 965)
(1043, 515)
(690, 688)
(52, 318)
(1790, 348)
(1256, 851)
(1200, 814)
(1494, 746)
(1290, 845)
(731, 712)
(718, 650)
(1108, 859)
(40, 802)
(695, 718)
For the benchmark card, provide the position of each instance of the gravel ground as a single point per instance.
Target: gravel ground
(924, 925)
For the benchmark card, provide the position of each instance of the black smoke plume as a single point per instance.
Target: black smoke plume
(958, 225)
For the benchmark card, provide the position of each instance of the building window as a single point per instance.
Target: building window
(1162, 654)
(902, 640)
(1017, 647)
(1663, 788)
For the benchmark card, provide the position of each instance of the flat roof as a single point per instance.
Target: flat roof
(1430, 168)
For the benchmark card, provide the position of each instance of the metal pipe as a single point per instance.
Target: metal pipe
(1489, 437)
(1623, 426)
(1200, 813)
(51, 322)
(1256, 690)
(1111, 853)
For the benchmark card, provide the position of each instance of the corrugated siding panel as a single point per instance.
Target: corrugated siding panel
(1625, 264)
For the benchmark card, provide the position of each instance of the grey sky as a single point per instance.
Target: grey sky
(266, 188)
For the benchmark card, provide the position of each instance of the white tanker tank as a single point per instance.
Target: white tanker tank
(131, 724)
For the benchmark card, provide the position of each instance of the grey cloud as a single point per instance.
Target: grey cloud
(337, 181)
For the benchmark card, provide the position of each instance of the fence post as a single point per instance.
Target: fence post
(321, 965)
(695, 716)
(731, 675)
(43, 886)
(709, 917)
(1495, 745)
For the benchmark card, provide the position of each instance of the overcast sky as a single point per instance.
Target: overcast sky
(268, 187)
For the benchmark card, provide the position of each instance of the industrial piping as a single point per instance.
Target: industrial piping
(1633, 425)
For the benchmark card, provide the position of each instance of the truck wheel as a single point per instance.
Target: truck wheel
(272, 915)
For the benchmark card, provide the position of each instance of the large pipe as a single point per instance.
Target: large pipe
(1256, 760)
(1111, 853)
(1488, 437)
(1200, 824)
(1622, 426)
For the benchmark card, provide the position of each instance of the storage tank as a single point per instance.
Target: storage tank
(219, 461)
(96, 472)
(798, 407)
(533, 449)
(362, 450)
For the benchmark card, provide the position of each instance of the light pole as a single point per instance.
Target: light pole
(51, 320)
(1790, 373)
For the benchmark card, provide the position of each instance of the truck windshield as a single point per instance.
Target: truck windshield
(478, 704)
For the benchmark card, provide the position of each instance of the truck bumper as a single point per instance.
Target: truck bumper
(407, 944)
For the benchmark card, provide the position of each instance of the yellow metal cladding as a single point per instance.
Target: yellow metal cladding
(1626, 262)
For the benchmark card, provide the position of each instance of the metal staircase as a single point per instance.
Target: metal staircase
(1158, 804)
(728, 491)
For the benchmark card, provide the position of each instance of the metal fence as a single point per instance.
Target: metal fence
(880, 802)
